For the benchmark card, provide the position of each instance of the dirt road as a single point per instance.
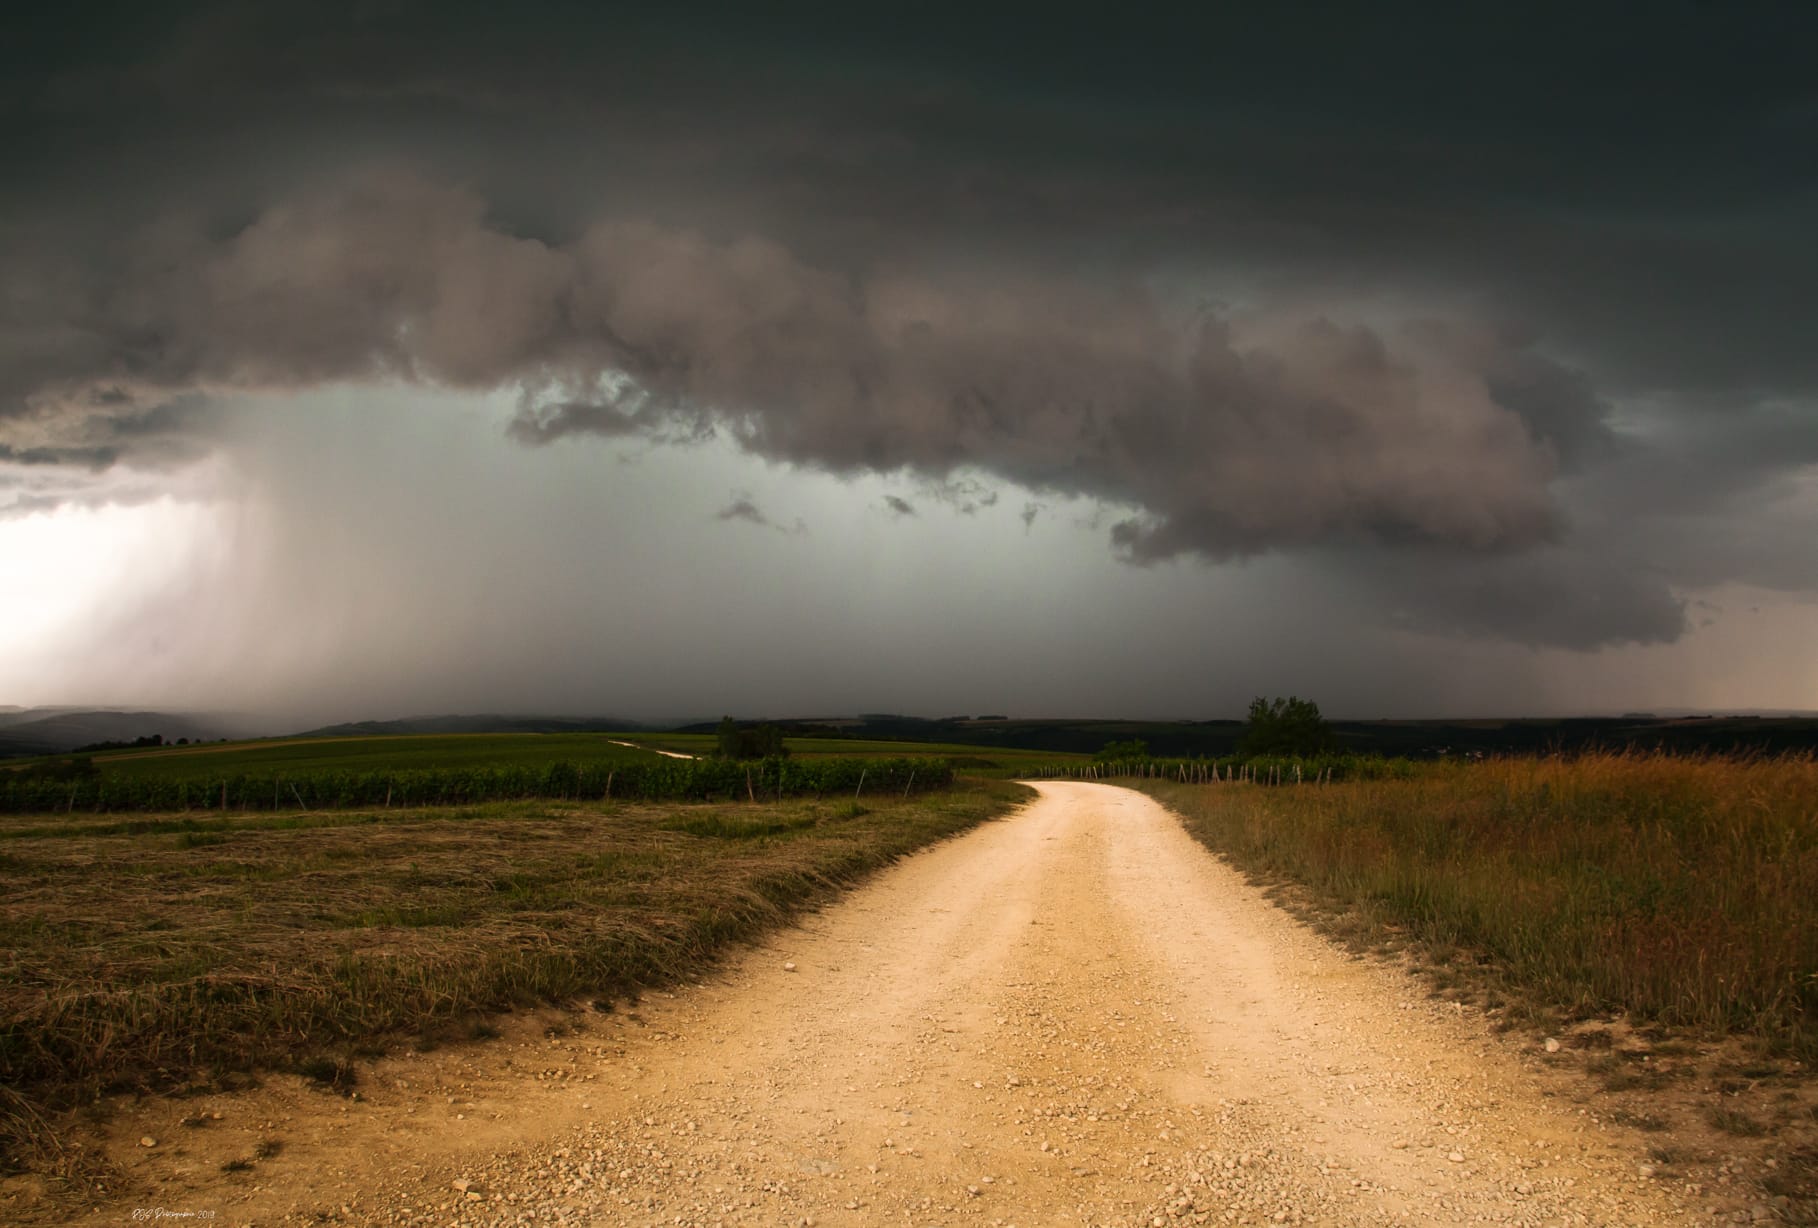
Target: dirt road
(1072, 1016)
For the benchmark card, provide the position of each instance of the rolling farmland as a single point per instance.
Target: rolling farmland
(441, 769)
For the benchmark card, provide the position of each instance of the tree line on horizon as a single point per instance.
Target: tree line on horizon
(1278, 728)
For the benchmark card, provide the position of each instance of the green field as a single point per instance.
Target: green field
(402, 753)
(215, 760)
(992, 761)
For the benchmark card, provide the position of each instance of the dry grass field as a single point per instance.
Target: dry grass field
(1653, 918)
(1678, 890)
(135, 956)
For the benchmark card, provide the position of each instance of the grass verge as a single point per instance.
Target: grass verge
(1677, 891)
(1656, 918)
(135, 958)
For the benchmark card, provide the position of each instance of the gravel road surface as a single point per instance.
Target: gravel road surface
(1075, 1015)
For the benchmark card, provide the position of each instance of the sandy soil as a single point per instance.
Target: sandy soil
(1075, 1015)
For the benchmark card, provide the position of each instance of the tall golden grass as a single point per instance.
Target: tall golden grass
(1680, 890)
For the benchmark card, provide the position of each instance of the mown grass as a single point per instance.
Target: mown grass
(134, 956)
(1682, 891)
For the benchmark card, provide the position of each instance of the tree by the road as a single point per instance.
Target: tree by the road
(1291, 726)
(737, 741)
(1122, 752)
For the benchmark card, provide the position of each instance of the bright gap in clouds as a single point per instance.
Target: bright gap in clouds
(65, 569)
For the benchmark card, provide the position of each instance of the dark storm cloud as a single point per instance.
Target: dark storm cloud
(1550, 597)
(742, 508)
(966, 496)
(550, 422)
(1236, 434)
(81, 458)
(1464, 261)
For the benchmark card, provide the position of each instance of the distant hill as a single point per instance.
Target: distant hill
(13, 714)
(53, 731)
(1084, 736)
(477, 724)
(1432, 739)
(42, 731)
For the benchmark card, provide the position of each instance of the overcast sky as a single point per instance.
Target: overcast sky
(389, 358)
